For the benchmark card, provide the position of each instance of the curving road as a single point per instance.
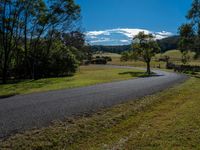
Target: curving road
(24, 112)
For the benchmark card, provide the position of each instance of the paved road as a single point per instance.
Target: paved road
(24, 112)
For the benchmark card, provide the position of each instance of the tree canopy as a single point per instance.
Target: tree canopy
(145, 46)
(38, 34)
(190, 32)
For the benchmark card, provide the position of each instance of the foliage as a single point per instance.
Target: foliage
(190, 32)
(125, 56)
(99, 60)
(63, 62)
(107, 58)
(76, 39)
(29, 30)
(186, 33)
(185, 57)
(146, 47)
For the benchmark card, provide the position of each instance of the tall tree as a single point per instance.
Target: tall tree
(190, 32)
(11, 30)
(187, 34)
(27, 28)
(145, 46)
(194, 15)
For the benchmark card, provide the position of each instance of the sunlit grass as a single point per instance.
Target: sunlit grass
(86, 75)
(167, 120)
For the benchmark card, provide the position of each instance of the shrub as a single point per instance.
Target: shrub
(63, 62)
(99, 61)
(107, 58)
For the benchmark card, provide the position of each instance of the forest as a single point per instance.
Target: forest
(40, 38)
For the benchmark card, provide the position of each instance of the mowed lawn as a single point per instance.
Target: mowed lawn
(166, 120)
(86, 75)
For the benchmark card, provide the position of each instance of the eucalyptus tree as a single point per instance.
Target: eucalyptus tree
(10, 30)
(145, 46)
(27, 28)
(190, 32)
(54, 15)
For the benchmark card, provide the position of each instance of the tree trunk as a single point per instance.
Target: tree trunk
(26, 61)
(148, 68)
(4, 75)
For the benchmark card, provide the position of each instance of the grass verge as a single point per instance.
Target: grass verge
(87, 75)
(167, 120)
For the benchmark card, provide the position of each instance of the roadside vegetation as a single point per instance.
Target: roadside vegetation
(40, 39)
(166, 120)
(87, 75)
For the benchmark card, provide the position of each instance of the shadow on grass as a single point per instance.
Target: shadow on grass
(140, 74)
(8, 95)
(11, 82)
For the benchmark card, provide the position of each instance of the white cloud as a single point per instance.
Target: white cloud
(130, 32)
(124, 41)
(101, 40)
(93, 37)
(125, 31)
(96, 33)
(164, 33)
(120, 35)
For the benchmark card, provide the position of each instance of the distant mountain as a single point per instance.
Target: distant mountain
(166, 44)
(119, 36)
(111, 49)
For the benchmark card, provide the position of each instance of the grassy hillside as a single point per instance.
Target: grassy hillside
(175, 57)
(113, 55)
(167, 120)
(87, 75)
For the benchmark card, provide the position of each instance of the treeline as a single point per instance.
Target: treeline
(190, 31)
(40, 38)
(165, 45)
(112, 49)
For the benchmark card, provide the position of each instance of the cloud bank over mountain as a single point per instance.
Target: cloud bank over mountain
(119, 36)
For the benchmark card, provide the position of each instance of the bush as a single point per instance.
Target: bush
(59, 62)
(125, 56)
(63, 62)
(107, 58)
(99, 61)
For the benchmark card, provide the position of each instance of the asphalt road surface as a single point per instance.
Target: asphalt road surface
(23, 112)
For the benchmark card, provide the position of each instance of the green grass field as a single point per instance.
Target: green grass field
(87, 75)
(175, 57)
(167, 120)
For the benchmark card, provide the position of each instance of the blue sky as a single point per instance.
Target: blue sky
(153, 15)
(149, 14)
